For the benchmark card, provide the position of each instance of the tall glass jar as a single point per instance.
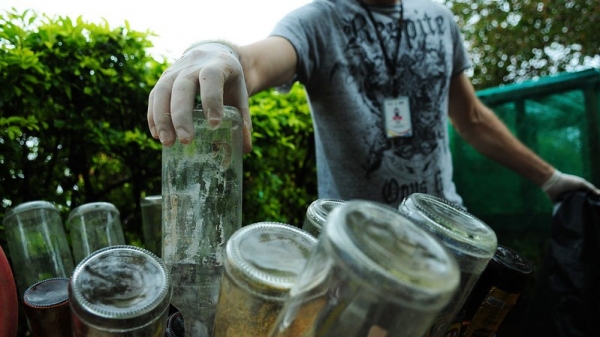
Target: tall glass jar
(37, 243)
(94, 226)
(202, 208)
(316, 214)
(262, 262)
(469, 240)
(373, 273)
(120, 291)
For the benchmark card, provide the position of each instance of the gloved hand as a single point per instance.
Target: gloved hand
(211, 69)
(560, 183)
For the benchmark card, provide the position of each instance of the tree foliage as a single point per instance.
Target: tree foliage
(73, 97)
(516, 40)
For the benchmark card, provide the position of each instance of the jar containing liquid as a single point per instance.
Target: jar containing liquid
(202, 208)
(316, 215)
(373, 273)
(120, 291)
(46, 306)
(495, 293)
(468, 239)
(262, 261)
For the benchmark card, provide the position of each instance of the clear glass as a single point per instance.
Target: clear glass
(37, 243)
(262, 262)
(94, 226)
(120, 291)
(152, 223)
(202, 208)
(468, 239)
(373, 272)
(316, 214)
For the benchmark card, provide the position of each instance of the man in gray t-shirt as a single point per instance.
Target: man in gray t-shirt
(383, 78)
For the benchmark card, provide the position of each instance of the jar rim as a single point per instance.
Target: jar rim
(263, 277)
(29, 206)
(92, 207)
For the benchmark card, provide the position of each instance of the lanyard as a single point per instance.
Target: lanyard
(390, 63)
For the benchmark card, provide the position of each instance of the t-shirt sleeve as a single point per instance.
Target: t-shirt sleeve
(461, 58)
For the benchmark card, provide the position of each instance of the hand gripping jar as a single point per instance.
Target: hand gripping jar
(469, 240)
(120, 291)
(316, 215)
(373, 273)
(201, 209)
(262, 261)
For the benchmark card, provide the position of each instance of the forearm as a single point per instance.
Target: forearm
(489, 136)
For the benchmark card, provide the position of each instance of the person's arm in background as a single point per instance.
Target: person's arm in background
(481, 128)
(222, 74)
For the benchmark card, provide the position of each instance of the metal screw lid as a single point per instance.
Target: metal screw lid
(266, 257)
(47, 293)
(120, 287)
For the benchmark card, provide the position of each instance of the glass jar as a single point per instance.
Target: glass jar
(316, 215)
(94, 226)
(495, 293)
(202, 208)
(46, 306)
(469, 240)
(374, 272)
(262, 261)
(37, 243)
(152, 223)
(120, 291)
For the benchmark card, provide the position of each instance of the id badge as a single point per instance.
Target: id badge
(397, 117)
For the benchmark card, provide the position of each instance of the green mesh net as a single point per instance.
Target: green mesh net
(558, 117)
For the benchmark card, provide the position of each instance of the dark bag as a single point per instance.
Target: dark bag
(567, 295)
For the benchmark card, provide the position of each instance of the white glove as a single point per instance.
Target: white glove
(211, 69)
(560, 183)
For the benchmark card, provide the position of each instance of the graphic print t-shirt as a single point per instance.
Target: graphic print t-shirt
(343, 68)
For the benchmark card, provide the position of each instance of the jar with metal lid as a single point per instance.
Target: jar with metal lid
(152, 223)
(202, 208)
(120, 291)
(46, 306)
(316, 214)
(37, 243)
(94, 226)
(374, 272)
(495, 293)
(470, 241)
(262, 261)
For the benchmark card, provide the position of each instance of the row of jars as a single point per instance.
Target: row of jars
(369, 271)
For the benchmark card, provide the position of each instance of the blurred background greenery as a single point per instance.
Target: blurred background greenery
(73, 101)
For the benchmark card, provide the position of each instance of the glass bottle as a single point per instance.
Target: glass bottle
(46, 306)
(94, 226)
(316, 214)
(262, 262)
(374, 272)
(495, 293)
(152, 223)
(36, 239)
(468, 239)
(202, 208)
(120, 291)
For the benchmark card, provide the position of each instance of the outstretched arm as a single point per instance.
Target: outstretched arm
(483, 130)
(222, 74)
